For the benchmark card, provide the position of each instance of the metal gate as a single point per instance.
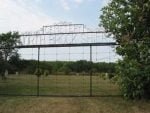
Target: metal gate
(61, 61)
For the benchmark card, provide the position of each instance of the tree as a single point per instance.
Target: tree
(128, 22)
(15, 62)
(7, 42)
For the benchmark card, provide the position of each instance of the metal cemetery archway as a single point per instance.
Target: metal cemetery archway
(62, 45)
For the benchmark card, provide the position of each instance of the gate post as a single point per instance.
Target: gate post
(38, 71)
(91, 73)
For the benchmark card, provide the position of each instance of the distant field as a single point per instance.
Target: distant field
(57, 85)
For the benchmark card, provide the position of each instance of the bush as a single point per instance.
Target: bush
(134, 81)
(103, 76)
(111, 75)
(115, 79)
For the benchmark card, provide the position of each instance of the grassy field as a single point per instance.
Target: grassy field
(57, 85)
(65, 85)
(72, 105)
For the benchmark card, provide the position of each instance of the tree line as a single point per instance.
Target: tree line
(15, 64)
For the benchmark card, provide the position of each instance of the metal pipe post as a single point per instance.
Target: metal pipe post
(38, 75)
(91, 91)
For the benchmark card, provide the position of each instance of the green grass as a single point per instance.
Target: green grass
(57, 85)
(65, 85)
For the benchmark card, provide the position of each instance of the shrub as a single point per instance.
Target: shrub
(111, 75)
(103, 76)
(134, 81)
(115, 79)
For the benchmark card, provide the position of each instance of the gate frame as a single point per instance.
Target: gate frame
(57, 46)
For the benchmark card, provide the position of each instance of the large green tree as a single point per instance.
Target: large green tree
(128, 21)
(7, 43)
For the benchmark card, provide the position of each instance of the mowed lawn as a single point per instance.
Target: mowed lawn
(59, 85)
(106, 102)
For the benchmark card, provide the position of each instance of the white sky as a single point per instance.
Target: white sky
(31, 15)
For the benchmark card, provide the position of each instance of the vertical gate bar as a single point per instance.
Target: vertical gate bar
(91, 91)
(38, 71)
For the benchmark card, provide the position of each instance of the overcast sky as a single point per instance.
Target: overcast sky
(30, 15)
(26, 15)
